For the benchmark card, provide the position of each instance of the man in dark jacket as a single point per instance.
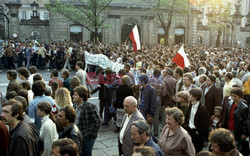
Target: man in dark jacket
(66, 118)
(147, 99)
(23, 136)
(236, 113)
(197, 119)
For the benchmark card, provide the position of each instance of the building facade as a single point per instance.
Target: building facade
(30, 20)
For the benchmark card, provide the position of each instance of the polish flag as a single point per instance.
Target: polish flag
(135, 38)
(181, 58)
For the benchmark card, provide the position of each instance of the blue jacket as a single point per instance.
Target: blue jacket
(151, 143)
(149, 100)
(26, 51)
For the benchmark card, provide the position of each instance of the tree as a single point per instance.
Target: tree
(219, 18)
(165, 10)
(86, 13)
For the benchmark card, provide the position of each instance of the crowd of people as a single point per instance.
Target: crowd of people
(158, 107)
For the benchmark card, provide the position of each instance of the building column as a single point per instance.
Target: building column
(192, 28)
(14, 18)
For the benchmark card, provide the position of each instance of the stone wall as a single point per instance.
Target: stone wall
(26, 32)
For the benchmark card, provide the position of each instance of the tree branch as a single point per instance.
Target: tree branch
(75, 21)
(85, 14)
(104, 7)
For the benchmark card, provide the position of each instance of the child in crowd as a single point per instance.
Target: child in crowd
(48, 131)
(215, 119)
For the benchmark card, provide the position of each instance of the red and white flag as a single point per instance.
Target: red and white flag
(135, 38)
(181, 58)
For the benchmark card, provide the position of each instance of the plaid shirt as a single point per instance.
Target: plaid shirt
(89, 121)
(159, 86)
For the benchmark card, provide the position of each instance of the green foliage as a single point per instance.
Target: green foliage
(87, 13)
(221, 15)
(165, 11)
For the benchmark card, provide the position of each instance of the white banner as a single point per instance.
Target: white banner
(102, 61)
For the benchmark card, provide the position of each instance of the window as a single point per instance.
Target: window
(24, 15)
(46, 16)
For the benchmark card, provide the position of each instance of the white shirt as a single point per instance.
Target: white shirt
(48, 134)
(186, 89)
(177, 85)
(30, 95)
(207, 89)
(192, 115)
(121, 135)
(30, 80)
(82, 75)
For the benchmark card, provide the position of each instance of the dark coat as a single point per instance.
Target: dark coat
(212, 99)
(149, 100)
(121, 93)
(201, 119)
(25, 144)
(100, 87)
(170, 84)
(73, 133)
(240, 118)
(66, 84)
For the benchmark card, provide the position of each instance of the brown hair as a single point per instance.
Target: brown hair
(126, 80)
(65, 72)
(224, 138)
(46, 107)
(66, 146)
(16, 108)
(184, 95)
(75, 82)
(83, 92)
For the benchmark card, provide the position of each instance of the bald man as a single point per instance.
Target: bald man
(126, 143)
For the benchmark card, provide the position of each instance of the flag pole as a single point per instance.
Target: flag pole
(129, 34)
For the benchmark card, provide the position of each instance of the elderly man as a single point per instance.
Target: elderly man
(125, 141)
(187, 82)
(141, 134)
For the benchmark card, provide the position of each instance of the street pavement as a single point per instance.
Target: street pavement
(107, 141)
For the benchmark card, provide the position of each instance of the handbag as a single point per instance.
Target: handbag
(244, 147)
(247, 87)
